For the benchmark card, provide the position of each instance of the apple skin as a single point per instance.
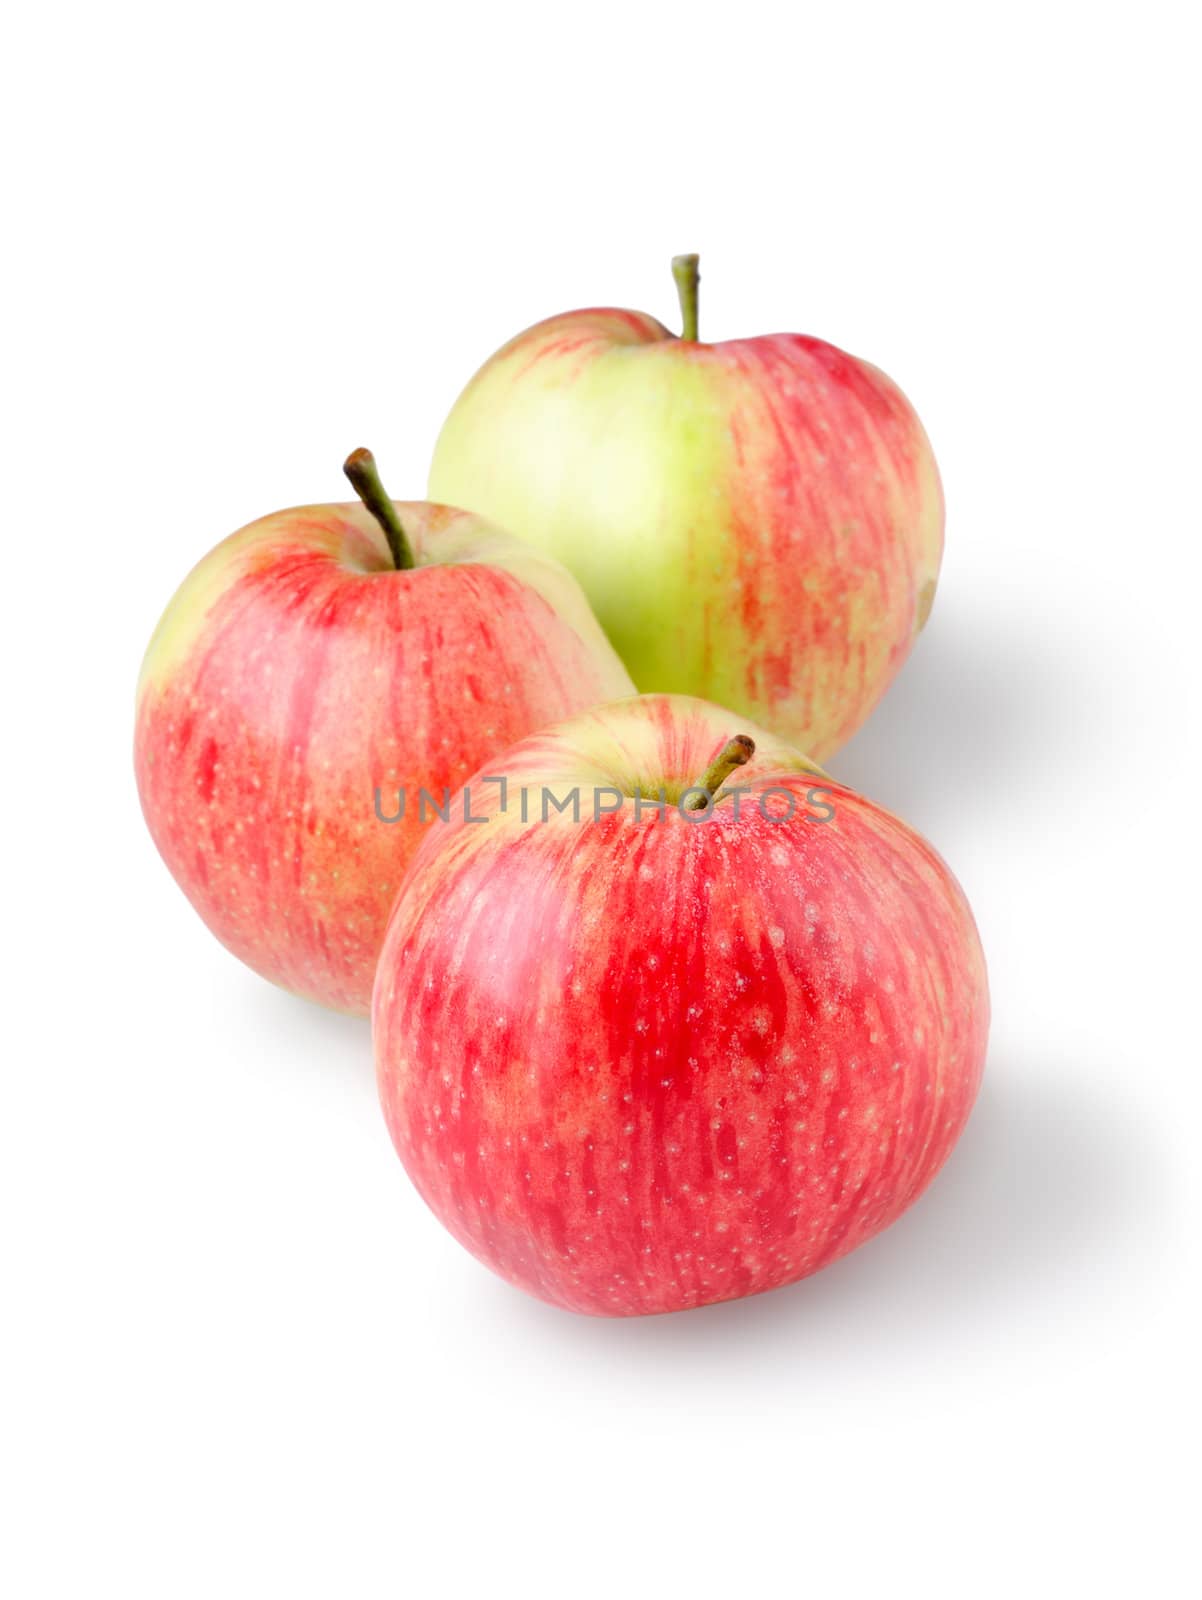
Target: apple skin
(295, 672)
(758, 522)
(637, 1066)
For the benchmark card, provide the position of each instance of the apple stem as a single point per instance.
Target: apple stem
(685, 269)
(360, 467)
(736, 752)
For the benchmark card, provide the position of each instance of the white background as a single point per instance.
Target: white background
(240, 1358)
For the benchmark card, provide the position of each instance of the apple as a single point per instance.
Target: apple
(758, 522)
(317, 672)
(641, 1059)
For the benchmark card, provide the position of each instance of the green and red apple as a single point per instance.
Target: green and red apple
(758, 522)
(313, 668)
(638, 1058)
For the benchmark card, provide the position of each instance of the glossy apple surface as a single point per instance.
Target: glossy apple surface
(759, 522)
(637, 1065)
(296, 672)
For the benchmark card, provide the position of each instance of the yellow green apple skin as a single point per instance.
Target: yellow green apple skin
(297, 672)
(757, 522)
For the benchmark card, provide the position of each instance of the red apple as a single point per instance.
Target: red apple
(310, 669)
(759, 521)
(646, 1059)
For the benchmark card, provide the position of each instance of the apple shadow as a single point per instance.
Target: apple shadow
(976, 694)
(302, 1036)
(1043, 1186)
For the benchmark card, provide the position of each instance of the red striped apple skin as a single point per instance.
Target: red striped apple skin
(295, 672)
(637, 1066)
(757, 521)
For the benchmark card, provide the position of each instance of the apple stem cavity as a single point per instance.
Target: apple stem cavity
(736, 752)
(360, 467)
(686, 271)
